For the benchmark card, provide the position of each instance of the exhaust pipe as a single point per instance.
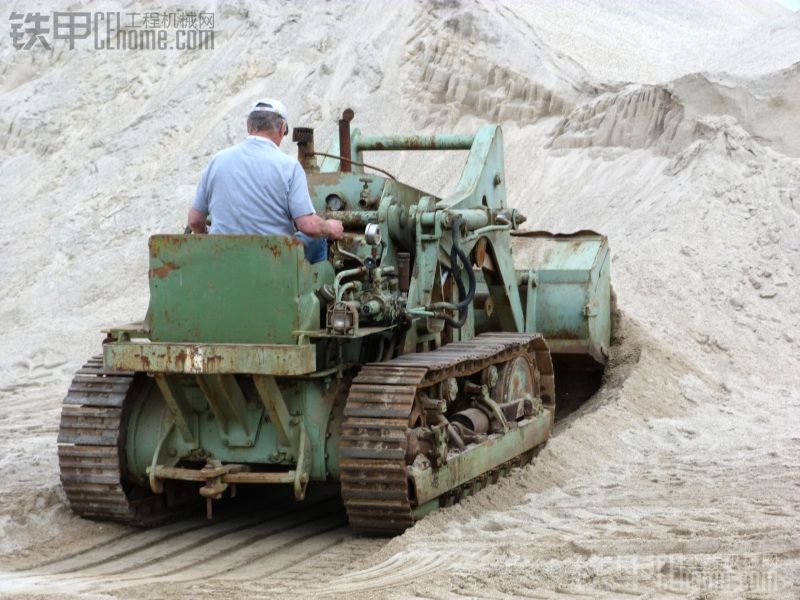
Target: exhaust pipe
(345, 150)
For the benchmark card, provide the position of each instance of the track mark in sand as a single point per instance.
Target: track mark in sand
(328, 557)
(334, 533)
(246, 548)
(176, 545)
(78, 553)
(401, 569)
(185, 550)
(148, 539)
(217, 559)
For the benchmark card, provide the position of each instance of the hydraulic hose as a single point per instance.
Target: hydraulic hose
(467, 296)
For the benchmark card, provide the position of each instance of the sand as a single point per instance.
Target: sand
(672, 128)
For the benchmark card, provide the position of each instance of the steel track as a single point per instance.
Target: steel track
(374, 481)
(91, 450)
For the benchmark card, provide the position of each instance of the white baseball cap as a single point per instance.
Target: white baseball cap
(271, 105)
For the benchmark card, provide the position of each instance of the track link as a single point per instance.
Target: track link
(374, 480)
(91, 449)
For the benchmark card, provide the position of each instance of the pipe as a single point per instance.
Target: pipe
(338, 288)
(304, 137)
(352, 218)
(341, 290)
(473, 218)
(414, 142)
(348, 273)
(344, 140)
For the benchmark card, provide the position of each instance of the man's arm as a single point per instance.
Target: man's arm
(197, 221)
(302, 210)
(316, 227)
(199, 209)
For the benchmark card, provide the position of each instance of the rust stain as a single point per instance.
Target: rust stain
(415, 143)
(276, 251)
(213, 363)
(277, 247)
(164, 270)
(180, 359)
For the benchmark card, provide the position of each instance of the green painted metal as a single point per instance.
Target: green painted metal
(230, 408)
(177, 404)
(569, 292)
(275, 439)
(202, 286)
(273, 402)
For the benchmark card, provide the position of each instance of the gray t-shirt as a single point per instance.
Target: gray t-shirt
(253, 188)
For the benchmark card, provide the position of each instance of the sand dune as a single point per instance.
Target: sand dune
(671, 128)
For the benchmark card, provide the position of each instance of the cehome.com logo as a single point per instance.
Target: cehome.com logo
(152, 30)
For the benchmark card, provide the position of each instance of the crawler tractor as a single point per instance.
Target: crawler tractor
(413, 366)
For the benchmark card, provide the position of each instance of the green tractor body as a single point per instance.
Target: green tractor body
(413, 365)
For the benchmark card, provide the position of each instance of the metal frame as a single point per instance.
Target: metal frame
(197, 359)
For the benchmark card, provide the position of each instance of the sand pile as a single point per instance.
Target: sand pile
(672, 131)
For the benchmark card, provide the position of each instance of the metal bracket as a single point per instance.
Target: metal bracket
(278, 413)
(176, 401)
(155, 483)
(291, 431)
(217, 477)
(227, 402)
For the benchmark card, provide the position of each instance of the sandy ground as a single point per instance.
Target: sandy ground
(672, 128)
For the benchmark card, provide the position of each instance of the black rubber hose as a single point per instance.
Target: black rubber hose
(465, 262)
(467, 296)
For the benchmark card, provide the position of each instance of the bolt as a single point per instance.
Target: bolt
(225, 443)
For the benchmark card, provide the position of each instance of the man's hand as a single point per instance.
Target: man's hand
(197, 221)
(315, 226)
(335, 229)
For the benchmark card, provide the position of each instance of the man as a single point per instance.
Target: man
(254, 188)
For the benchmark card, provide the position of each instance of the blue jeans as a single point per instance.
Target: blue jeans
(316, 248)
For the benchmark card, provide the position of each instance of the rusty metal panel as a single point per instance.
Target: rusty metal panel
(167, 357)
